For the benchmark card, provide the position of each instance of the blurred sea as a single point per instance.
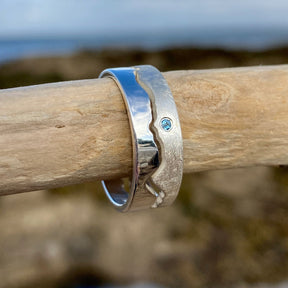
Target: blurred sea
(248, 39)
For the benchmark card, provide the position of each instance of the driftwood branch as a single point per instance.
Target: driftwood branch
(65, 133)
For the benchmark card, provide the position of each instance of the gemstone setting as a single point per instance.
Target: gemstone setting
(166, 124)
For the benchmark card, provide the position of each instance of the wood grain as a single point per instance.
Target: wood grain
(69, 132)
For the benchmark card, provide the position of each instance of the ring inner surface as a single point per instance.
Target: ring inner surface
(117, 193)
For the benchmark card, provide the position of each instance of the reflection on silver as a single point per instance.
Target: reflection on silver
(157, 149)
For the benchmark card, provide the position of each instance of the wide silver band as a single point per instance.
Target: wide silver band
(156, 139)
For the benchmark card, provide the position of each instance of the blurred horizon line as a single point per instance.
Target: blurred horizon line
(241, 38)
(177, 31)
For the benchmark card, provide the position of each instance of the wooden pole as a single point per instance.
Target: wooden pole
(66, 133)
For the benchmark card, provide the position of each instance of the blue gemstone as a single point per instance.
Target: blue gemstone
(166, 124)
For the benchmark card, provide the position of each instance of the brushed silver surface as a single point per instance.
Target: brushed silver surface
(168, 176)
(157, 148)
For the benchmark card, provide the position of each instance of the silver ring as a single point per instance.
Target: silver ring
(156, 139)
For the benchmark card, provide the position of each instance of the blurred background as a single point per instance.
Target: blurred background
(226, 229)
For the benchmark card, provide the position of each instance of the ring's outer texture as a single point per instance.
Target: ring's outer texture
(156, 139)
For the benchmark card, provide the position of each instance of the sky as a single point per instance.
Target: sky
(26, 18)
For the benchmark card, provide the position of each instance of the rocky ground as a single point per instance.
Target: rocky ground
(227, 228)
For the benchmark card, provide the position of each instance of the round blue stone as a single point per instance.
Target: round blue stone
(166, 124)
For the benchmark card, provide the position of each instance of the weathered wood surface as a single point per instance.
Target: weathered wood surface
(70, 132)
